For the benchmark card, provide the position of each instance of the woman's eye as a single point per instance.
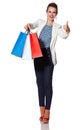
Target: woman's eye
(49, 11)
(54, 12)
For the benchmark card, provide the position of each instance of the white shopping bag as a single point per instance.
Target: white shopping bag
(27, 50)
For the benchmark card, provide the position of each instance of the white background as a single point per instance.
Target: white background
(19, 108)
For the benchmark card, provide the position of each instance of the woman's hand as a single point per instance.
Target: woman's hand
(27, 27)
(66, 27)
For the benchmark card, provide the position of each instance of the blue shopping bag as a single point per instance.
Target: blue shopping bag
(19, 45)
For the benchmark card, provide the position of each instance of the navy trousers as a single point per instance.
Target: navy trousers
(44, 73)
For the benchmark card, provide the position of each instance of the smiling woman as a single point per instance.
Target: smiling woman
(19, 107)
(47, 31)
(52, 12)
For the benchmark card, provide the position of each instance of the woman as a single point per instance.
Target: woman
(47, 34)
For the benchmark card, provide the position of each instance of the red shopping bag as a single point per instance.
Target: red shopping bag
(35, 46)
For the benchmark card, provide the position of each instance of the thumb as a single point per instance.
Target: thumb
(67, 23)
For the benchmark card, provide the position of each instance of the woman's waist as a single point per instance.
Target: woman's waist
(46, 51)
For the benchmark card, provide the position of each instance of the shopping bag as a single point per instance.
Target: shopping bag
(27, 50)
(19, 44)
(35, 46)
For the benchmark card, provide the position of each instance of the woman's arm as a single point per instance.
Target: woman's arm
(64, 32)
(34, 25)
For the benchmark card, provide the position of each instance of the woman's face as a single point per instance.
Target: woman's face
(51, 13)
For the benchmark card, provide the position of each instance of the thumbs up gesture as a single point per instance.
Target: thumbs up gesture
(66, 27)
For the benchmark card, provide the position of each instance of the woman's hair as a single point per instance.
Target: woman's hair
(53, 5)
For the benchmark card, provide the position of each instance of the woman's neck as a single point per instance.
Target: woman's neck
(49, 22)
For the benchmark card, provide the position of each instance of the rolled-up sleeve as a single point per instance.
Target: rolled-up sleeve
(63, 34)
(35, 24)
